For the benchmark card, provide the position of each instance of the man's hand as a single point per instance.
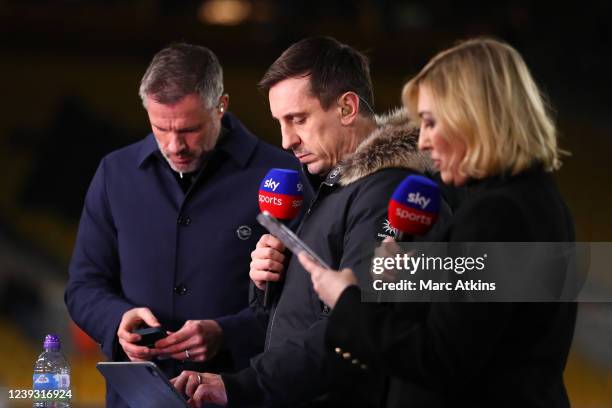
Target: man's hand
(131, 320)
(201, 388)
(201, 338)
(267, 261)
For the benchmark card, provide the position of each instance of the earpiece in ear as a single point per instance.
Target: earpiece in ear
(221, 108)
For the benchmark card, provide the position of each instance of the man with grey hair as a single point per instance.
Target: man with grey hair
(168, 226)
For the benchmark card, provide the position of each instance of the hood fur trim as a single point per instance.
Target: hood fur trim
(392, 145)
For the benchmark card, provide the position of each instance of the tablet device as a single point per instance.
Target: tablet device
(141, 384)
(287, 237)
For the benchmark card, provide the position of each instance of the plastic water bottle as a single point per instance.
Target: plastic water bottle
(51, 379)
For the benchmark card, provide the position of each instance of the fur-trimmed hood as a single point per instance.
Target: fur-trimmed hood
(392, 145)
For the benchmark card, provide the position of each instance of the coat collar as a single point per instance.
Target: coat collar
(475, 186)
(238, 142)
(393, 144)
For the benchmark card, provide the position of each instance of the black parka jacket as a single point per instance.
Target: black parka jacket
(345, 222)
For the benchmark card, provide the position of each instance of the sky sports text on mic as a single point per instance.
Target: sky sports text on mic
(281, 194)
(414, 206)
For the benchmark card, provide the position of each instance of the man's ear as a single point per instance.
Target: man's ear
(348, 104)
(223, 104)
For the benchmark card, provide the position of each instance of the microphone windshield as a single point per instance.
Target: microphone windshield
(281, 193)
(414, 205)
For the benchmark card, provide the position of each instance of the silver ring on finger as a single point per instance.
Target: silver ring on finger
(187, 356)
(199, 377)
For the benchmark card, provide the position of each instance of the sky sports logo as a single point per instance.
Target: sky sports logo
(414, 205)
(414, 215)
(288, 194)
(278, 200)
(271, 184)
(280, 193)
(418, 199)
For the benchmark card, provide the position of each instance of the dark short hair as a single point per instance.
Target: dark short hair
(180, 70)
(334, 68)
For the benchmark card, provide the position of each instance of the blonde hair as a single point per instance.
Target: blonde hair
(483, 94)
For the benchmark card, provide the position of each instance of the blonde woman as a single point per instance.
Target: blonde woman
(486, 126)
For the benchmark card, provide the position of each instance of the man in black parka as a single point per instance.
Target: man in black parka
(320, 93)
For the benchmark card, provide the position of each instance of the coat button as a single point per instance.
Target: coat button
(180, 289)
(355, 361)
(363, 367)
(338, 350)
(346, 355)
(183, 220)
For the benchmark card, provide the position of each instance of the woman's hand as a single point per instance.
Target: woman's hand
(388, 249)
(328, 283)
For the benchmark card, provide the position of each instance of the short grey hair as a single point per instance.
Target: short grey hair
(182, 69)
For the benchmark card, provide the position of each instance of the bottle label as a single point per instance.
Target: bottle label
(51, 381)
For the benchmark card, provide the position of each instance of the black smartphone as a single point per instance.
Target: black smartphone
(150, 335)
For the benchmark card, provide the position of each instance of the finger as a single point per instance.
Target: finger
(385, 250)
(268, 240)
(192, 384)
(261, 285)
(125, 335)
(198, 354)
(268, 253)
(137, 351)
(147, 316)
(262, 241)
(392, 246)
(264, 276)
(208, 378)
(309, 264)
(200, 394)
(348, 276)
(135, 359)
(125, 328)
(267, 265)
(181, 380)
(178, 349)
(188, 331)
(195, 354)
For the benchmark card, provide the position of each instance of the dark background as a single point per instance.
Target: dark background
(69, 80)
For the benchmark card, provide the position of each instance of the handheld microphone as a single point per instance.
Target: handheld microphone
(281, 194)
(414, 206)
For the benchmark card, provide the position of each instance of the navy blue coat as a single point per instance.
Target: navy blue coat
(143, 242)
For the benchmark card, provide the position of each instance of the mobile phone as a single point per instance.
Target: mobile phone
(150, 335)
(287, 237)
